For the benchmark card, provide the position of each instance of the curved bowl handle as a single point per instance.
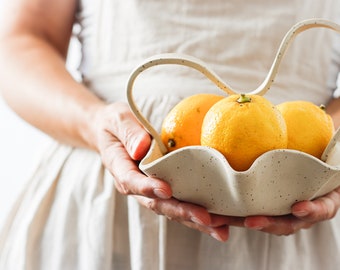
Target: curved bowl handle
(163, 59)
(192, 62)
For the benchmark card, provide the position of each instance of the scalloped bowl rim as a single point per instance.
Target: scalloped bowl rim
(215, 152)
(229, 198)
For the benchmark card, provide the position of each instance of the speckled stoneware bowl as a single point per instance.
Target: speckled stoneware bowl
(276, 180)
(203, 176)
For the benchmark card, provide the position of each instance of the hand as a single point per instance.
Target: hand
(121, 141)
(304, 215)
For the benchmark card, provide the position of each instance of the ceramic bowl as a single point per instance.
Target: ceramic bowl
(274, 182)
(202, 175)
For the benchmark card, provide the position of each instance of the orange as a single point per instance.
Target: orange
(309, 127)
(182, 126)
(243, 127)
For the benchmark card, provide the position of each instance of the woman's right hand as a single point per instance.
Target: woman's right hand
(122, 142)
(48, 97)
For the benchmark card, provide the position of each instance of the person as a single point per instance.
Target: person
(88, 206)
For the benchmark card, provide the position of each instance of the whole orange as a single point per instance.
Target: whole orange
(309, 127)
(182, 125)
(243, 127)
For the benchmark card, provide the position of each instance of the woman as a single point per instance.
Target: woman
(74, 214)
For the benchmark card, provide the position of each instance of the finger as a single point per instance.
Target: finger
(282, 225)
(128, 178)
(190, 215)
(219, 233)
(304, 215)
(177, 210)
(219, 220)
(124, 126)
(320, 209)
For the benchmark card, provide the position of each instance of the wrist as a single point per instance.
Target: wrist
(89, 114)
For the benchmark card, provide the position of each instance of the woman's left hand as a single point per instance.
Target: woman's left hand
(304, 215)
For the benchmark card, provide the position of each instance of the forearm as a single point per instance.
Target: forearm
(37, 86)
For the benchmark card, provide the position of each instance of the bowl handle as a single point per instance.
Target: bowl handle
(162, 59)
(192, 62)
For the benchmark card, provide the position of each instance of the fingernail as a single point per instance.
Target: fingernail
(161, 194)
(258, 225)
(216, 236)
(257, 228)
(300, 213)
(197, 220)
(134, 145)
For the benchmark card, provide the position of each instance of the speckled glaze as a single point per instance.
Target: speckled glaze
(203, 176)
(275, 181)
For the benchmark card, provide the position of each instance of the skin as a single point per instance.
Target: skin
(47, 97)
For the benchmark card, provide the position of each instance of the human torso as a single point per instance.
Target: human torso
(237, 41)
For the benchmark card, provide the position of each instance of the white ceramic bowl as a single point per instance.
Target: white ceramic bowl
(202, 175)
(275, 181)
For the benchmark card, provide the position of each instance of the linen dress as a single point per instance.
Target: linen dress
(70, 216)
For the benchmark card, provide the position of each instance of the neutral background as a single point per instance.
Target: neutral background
(21, 147)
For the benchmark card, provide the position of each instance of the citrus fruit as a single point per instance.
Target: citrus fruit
(243, 127)
(309, 127)
(182, 125)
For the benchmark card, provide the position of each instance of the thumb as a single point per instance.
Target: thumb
(127, 129)
(138, 145)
